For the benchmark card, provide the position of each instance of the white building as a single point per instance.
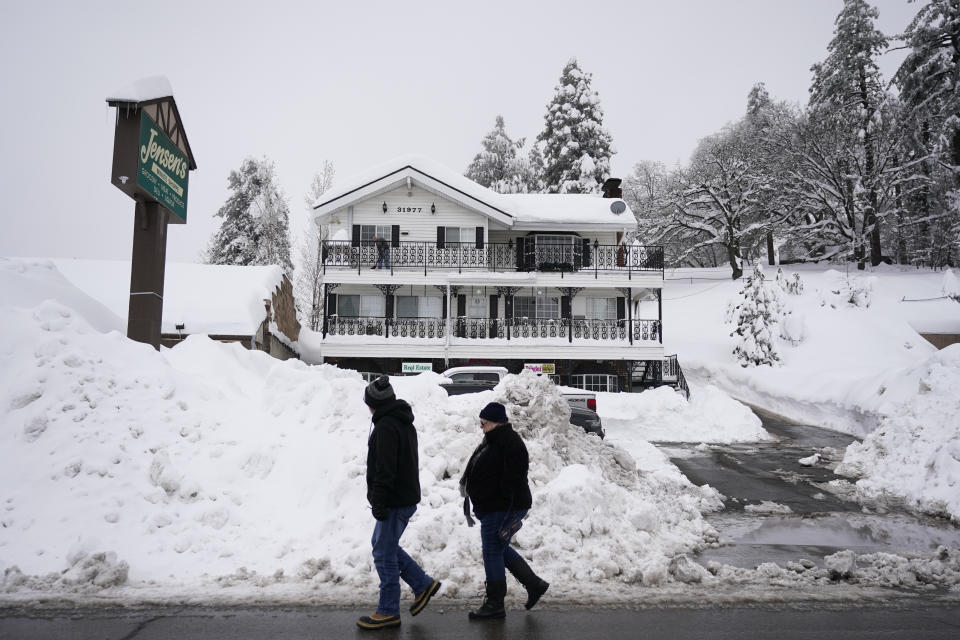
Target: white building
(464, 275)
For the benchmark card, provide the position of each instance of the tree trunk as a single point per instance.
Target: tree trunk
(771, 258)
(871, 223)
(733, 253)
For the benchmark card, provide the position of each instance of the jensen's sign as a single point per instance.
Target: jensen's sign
(162, 169)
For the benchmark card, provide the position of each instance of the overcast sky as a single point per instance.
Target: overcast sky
(359, 83)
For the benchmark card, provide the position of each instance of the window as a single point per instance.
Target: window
(369, 231)
(361, 306)
(602, 308)
(478, 376)
(554, 249)
(419, 306)
(459, 234)
(536, 307)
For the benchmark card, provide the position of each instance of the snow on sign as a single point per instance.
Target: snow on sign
(416, 367)
(162, 169)
(548, 368)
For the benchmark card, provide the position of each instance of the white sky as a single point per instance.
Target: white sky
(362, 82)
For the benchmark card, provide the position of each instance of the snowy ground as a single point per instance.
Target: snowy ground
(211, 473)
(853, 361)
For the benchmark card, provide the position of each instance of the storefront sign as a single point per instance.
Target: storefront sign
(416, 367)
(539, 368)
(162, 169)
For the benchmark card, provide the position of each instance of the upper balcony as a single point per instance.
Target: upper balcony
(582, 258)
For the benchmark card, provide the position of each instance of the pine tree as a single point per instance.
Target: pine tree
(255, 227)
(848, 86)
(757, 317)
(576, 148)
(308, 287)
(498, 166)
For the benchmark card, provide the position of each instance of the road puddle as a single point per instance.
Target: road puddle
(748, 540)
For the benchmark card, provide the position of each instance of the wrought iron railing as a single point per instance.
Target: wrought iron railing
(447, 256)
(486, 328)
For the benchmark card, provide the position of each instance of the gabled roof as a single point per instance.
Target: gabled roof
(513, 210)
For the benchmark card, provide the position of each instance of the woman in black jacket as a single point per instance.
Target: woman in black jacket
(496, 482)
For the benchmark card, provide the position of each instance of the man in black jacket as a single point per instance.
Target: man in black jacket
(393, 491)
(496, 481)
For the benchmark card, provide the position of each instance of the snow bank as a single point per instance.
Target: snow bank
(209, 470)
(915, 453)
(663, 415)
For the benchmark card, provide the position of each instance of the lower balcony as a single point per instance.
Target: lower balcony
(570, 330)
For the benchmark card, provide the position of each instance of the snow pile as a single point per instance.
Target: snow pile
(212, 471)
(663, 415)
(915, 453)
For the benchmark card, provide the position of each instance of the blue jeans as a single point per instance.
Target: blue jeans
(496, 552)
(393, 563)
(383, 257)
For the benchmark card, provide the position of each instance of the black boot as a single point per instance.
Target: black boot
(531, 582)
(492, 606)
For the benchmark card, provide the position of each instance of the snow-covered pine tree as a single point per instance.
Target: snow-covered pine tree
(309, 281)
(255, 227)
(757, 316)
(498, 166)
(573, 134)
(847, 86)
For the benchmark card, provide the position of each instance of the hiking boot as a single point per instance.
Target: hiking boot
(492, 607)
(423, 599)
(378, 621)
(531, 582)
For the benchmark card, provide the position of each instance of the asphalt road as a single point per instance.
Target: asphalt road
(814, 622)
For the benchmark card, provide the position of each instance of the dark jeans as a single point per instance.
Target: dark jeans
(497, 553)
(393, 563)
(383, 257)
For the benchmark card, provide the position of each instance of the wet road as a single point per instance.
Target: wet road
(784, 623)
(777, 510)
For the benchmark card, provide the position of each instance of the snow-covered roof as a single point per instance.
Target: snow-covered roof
(515, 209)
(207, 299)
(144, 89)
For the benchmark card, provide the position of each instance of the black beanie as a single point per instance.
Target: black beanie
(379, 392)
(494, 412)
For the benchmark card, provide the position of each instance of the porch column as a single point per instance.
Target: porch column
(569, 293)
(387, 290)
(628, 294)
(507, 293)
(660, 314)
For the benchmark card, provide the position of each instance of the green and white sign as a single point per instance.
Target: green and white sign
(416, 367)
(162, 169)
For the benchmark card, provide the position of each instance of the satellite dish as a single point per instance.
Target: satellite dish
(618, 207)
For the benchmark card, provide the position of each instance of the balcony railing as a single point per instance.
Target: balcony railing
(578, 257)
(572, 330)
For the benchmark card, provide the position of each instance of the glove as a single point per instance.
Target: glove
(380, 512)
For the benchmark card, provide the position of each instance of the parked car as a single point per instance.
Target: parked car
(589, 420)
(583, 405)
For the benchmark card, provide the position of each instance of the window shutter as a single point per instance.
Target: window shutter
(395, 235)
(494, 300)
(508, 307)
(479, 237)
(461, 305)
(621, 308)
(520, 260)
(565, 307)
(331, 304)
(586, 252)
(389, 310)
(444, 313)
(356, 235)
(440, 237)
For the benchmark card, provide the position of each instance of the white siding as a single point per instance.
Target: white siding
(417, 226)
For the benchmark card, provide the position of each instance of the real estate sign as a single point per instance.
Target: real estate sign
(547, 368)
(416, 367)
(162, 169)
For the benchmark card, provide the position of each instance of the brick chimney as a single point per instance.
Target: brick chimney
(611, 188)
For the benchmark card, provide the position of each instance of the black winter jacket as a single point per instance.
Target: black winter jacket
(393, 469)
(496, 475)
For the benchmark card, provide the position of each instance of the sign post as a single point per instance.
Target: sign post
(151, 164)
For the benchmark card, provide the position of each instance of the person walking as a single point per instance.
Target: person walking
(495, 481)
(393, 491)
(383, 252)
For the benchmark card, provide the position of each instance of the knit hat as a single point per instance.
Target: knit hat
(494, 412)
(379, 392)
